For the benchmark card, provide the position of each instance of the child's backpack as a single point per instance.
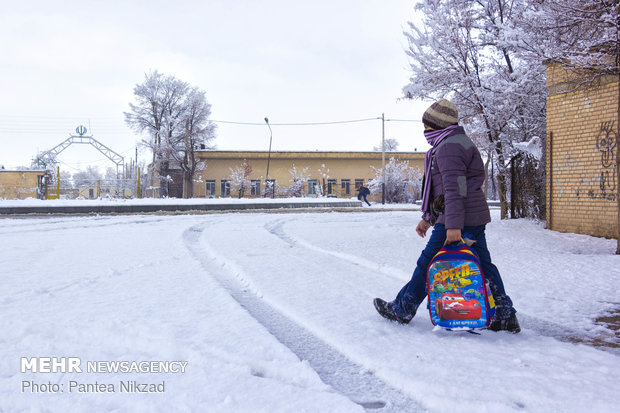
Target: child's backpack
(458, 296)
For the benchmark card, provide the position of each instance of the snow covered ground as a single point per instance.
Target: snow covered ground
(273, 313)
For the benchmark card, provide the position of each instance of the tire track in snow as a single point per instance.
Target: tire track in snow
(277, 229)
(335, 369)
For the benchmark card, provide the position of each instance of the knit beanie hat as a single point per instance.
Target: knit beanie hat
(441, 114)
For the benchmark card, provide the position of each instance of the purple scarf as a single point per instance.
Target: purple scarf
(434, 138)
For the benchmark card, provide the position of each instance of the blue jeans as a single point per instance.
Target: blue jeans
(413, 293)
(360, 196)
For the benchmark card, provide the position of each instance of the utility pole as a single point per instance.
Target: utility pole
(383, 158)
(268, 159)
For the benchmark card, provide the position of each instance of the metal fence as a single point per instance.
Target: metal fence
(94, 189)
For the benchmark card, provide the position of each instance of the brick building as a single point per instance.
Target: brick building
(582, 176)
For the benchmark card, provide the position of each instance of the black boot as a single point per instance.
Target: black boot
(385, 309)
(511, 324)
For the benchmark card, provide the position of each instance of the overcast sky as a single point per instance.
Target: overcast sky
(70, 63)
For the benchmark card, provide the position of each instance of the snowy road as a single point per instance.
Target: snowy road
(273, 312)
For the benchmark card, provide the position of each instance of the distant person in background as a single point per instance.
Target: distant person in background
(363, 192)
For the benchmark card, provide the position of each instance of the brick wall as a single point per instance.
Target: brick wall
(582, 180)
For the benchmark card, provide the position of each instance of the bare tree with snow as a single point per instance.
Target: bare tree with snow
(87, 177)
(65, 179)
(402, 182)
(324, 177)
(240, 178)
(197, 131)
(391, 145)
(581, 34)
(464, 51)
(298, 181)
(175, 117)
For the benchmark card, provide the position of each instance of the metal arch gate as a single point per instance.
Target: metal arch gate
(107, 152)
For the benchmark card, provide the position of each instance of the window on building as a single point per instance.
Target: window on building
(225, 187)
(345, 185)
(331, 187)
(312, 184)
(358, 183)
(255, 187)
(210, 188)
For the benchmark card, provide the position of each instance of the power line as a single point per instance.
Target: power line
(58, 132)
(57, 117)
(53, 125)
(102, 121)
(314, 123)
(403, 120)
(295, 124)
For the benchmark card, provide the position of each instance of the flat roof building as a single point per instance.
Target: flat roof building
(334, 173)
(22, 184)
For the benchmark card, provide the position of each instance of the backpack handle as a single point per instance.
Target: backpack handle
(454, 244)
(465, 239)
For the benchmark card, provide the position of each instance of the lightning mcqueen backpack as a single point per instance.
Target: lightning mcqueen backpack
(458, 296)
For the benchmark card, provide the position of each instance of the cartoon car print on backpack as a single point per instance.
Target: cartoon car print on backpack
(453, 306)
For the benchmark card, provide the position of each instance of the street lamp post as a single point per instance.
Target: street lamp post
(383, 158)
(269, 158)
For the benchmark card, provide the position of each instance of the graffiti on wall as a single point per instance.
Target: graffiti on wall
(606, 144)
(596, 181)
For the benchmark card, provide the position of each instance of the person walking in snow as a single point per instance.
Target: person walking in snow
(453, 204)
(363, 193)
